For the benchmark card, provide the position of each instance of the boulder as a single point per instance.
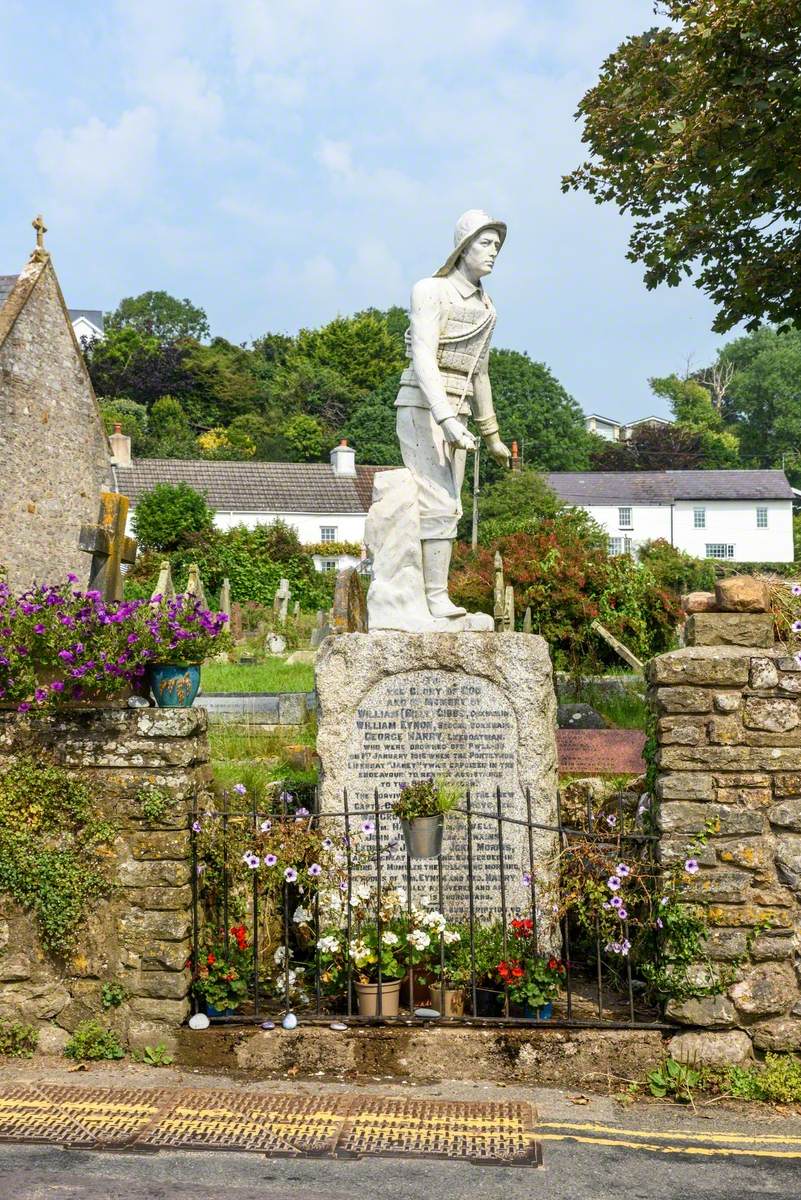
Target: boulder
(783, 1033)
(729, 629)
(708, 1049)
(767, 989)
(695, 602)
(742, 593)
(579, 716)
(702, 1010)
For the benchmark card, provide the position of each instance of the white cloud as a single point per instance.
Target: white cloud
(92, 161)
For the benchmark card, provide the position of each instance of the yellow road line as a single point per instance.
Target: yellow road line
(655, 1148)
(686, 1134)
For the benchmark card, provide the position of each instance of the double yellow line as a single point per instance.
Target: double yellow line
(672, 1141)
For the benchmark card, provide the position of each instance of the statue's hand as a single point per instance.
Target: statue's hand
(457, 434)
(497, 451)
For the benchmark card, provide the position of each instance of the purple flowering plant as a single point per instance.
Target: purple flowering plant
(58, 642)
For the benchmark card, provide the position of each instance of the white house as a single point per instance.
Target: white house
(87, 323)
(322, 502)
(746, 516)
(618, 431)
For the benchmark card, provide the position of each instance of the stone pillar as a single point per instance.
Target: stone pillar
(141, 935)
(729, 748)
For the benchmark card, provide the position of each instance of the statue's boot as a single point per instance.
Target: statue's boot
(436, 561)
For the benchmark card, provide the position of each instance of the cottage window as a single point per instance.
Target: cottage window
(616, 546)
(328, 564)
(762, 517)
(328, 533)
(624, 516)
(719, 550)
(699, 518)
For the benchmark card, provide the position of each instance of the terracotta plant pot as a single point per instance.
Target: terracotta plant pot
(367, 996)
(447, 1000)
(423, 836)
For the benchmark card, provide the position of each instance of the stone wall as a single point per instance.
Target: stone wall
(54, 454)
(729, 748)
(141, 936)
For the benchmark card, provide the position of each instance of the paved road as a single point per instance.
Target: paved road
(571, 1172)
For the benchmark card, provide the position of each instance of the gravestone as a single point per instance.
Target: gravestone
(194, 585)
(601, 751)
(236, 621)
(165, 588)
(225, 599)
(349, 610)
(108, 545)
(479, 707)
(322, 630)
(281, 601)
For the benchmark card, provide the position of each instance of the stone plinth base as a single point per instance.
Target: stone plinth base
(478, 707)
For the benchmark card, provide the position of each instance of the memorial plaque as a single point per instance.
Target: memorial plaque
(600, 751)
(399, 707)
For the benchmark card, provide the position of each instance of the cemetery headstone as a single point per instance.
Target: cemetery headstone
(225, 599)
(108, 545)
(236, 621)
(194, 585)
(349, 611)
(322, 630)
(527, 621)
(165, 588)
(281, 601)
(275, 644)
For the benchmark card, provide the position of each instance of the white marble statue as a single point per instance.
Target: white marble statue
(452, 319)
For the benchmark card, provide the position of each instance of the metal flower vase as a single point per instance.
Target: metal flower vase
(423, 836)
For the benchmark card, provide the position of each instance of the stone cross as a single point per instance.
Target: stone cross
(165, 588)
(40, 254)
(108, 546)
(281, 601)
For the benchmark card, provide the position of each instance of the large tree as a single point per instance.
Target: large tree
(651, 448)
(160, 315)
(694, 129)
(763, 398)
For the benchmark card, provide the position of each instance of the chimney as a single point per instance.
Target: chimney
(343, 461)
(516, 464)
(120, 447)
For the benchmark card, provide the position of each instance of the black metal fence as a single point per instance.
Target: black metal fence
(321, 915)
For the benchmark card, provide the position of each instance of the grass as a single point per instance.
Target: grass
(623, 709)
(244, 753)
(275, 676)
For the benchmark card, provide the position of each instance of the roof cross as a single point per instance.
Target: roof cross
(40, 254)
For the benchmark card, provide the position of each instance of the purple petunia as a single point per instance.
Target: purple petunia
(621, 912)
(315, 869)
(623, 870)
(611, 820)
(270, 860)
(196, 826)
(613, 883)
(240, 789)
(368, 827)
(250, 860)
(616, 902)
(266, 826)
(290, 874)
(691, 866)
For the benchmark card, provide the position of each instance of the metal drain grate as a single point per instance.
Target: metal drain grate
(442, 1129)
(29, 1115)
(226, 1120)
(112, 1116)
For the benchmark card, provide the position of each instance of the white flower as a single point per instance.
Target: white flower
(361, 892)
(450, 936)
(278, 957)
(301, 915)
(328, 944)
(419, 939)
(389, 938)
(360, 952)
(435, 922)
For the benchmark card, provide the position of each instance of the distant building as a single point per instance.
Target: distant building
(745, 516)
(618, 431)
(323, 502)
(88, 324)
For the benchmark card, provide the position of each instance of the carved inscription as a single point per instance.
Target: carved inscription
(423, 723)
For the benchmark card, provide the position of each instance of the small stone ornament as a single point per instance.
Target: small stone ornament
(199, 1021)
(338, 1027)
(290, 1021)
(428, 1014)
(268, 1024)
(138, 702)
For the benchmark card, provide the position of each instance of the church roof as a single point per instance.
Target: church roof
(6, 284)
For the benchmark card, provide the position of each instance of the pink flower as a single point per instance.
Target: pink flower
(691, 866)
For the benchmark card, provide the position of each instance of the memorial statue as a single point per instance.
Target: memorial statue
(412, 523)
(452, 320)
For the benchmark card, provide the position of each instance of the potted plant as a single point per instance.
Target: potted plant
(177, 635)
(421, 809)
(533, 983)
(450, 972)
(221, 977)
(367, 953)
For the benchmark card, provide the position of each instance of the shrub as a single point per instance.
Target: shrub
(92, 1042)
(778, 1081)
(17, 1040)
(676, 571)
(173, 515)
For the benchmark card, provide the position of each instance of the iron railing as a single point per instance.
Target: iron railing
(597, 988)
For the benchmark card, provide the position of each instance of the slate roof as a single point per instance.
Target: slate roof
(664, 487)
(6, 284)
(95, 315)
(255, 486)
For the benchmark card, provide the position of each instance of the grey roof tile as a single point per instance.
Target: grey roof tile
(6, 284)
(664, 487)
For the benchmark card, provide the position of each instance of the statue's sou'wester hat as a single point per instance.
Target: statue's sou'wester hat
(469, 226)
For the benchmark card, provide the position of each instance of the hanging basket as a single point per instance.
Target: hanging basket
(423, 836)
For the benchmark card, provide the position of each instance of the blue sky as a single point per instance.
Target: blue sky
(282, 161)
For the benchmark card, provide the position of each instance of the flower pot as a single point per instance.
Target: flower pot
(367, 996)
(211, 1011)
(174, 685)
(446, 1000)
(543, 1013)
(423, 836)
(489, 1003)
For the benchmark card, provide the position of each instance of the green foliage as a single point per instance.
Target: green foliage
(763, 398)
(370, 428)
(131, 417)
(651, 447)
(427, 798)
(696, 414)
(169, 435)
(91, 1042)
(536, 411)
(171, 516)
(112, 995)
(778, 1081)
(160, 315)
(676, 571)
(675, 1079)
(361, 349)
(155, 1056)
(274, 676)
(515, 502)
(52, 860)
(692, 128)
(305, 437)
(154, 801)
(17, 1040)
